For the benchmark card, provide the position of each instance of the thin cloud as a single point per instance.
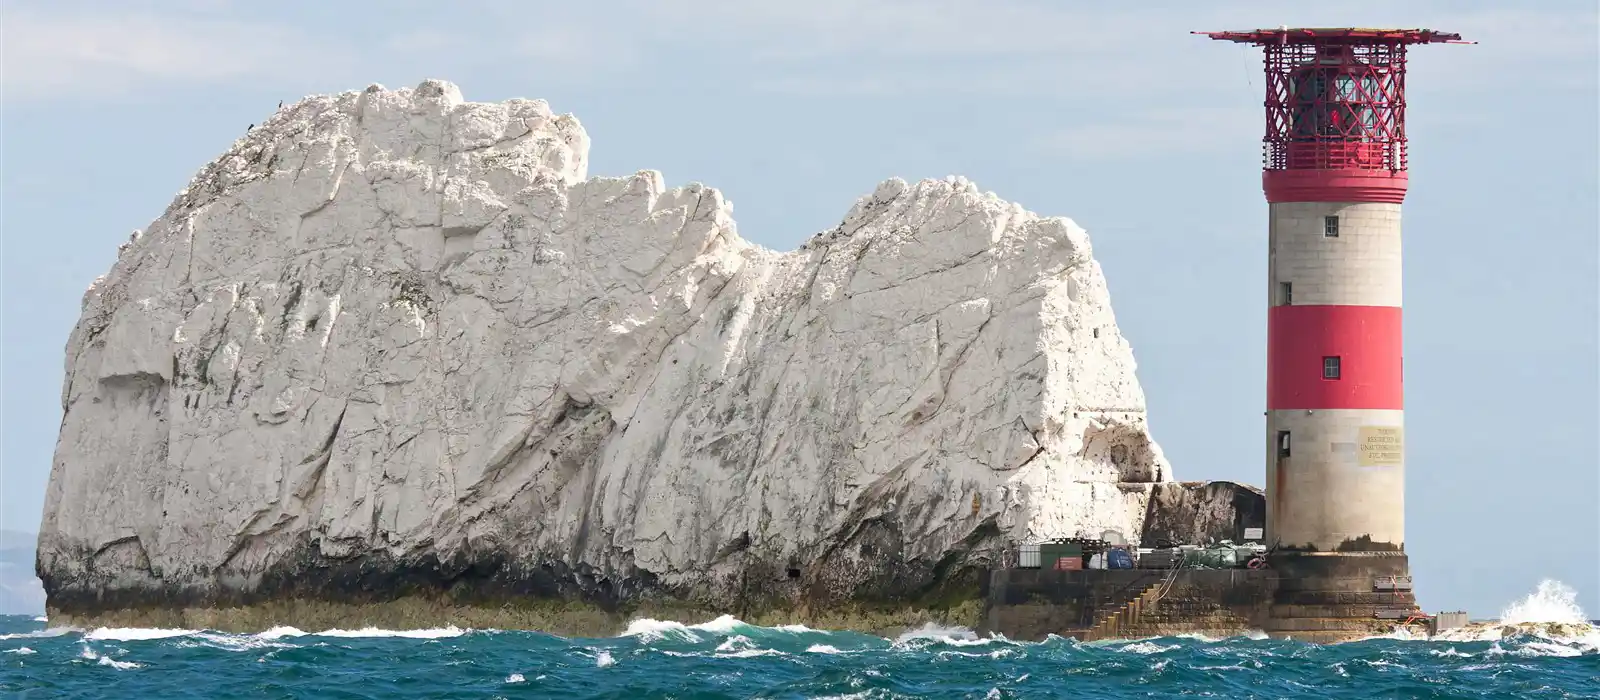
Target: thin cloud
(424, 41)
(1137, 56)
(1158, 133)
(576, 47)
(103, 53)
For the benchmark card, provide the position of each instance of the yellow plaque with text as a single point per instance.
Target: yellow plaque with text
(1381, 446)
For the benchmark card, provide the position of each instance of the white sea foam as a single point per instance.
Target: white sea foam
(237, 642)
(737, 642)
(134, 634)
(515, 678)
(648, 630)
(996, 654)
(956, 635)
(435, 633)
(1550, 615)
(41, 618)
(823, 649)
(1531, 649)
(88, 654)
(603, 659)
(1470, 633)
(120, 665)
(725, 624)
(749, 653)
(267, 639)
(1552, 602)
(1147, 647)
(1400, 633)
(20, 651)
(38, 634)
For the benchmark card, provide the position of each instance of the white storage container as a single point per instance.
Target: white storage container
(1028, 556)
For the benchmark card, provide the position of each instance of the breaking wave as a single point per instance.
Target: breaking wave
(1542, 641)
(1553, 602)
(1548, 622)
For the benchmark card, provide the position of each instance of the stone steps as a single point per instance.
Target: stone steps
(1124, 616)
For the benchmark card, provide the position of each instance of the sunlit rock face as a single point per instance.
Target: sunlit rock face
(393, 342)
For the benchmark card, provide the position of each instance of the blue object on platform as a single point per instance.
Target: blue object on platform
(1119, 559)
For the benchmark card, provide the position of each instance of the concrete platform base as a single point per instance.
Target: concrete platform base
(1309, 597)
(1339, 596)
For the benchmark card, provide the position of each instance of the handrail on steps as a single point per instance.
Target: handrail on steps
(1111, 599)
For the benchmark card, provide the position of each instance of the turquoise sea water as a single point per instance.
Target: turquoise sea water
(725, 658)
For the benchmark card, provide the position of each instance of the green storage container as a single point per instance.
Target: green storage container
(1049, 553)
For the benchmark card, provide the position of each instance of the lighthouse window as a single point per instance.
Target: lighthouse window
(1283, 443)
(1285, 293)
(1330, 367)
(1330, 226)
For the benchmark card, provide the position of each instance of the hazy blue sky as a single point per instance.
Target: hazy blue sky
(1114, 116)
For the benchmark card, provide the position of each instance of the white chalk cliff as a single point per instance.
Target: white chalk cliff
(397, 328)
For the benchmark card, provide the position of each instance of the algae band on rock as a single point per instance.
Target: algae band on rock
(397, 351)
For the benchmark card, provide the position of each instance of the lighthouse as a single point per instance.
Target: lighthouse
(1334, 175)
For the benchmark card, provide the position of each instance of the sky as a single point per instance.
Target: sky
(1108, 113)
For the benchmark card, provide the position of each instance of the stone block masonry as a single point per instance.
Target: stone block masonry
(1335, 377)
(1032, 604)
(1326, 599)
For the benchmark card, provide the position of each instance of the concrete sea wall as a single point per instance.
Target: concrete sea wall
(1031, 604)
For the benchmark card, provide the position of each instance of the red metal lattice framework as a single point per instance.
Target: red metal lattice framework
(1335, 97)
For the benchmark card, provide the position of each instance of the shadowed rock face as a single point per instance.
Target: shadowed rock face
(394, 343)
(1200, 512)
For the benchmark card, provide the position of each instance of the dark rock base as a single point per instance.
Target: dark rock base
(313, 593)
(564, 618)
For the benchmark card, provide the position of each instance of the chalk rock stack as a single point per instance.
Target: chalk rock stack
(392, 340)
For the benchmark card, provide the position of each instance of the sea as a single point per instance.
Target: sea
(1542, 647)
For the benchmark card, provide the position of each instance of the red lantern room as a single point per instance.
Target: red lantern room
(1335, 127)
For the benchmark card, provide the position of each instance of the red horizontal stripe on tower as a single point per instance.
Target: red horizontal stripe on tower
(1366, 339)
